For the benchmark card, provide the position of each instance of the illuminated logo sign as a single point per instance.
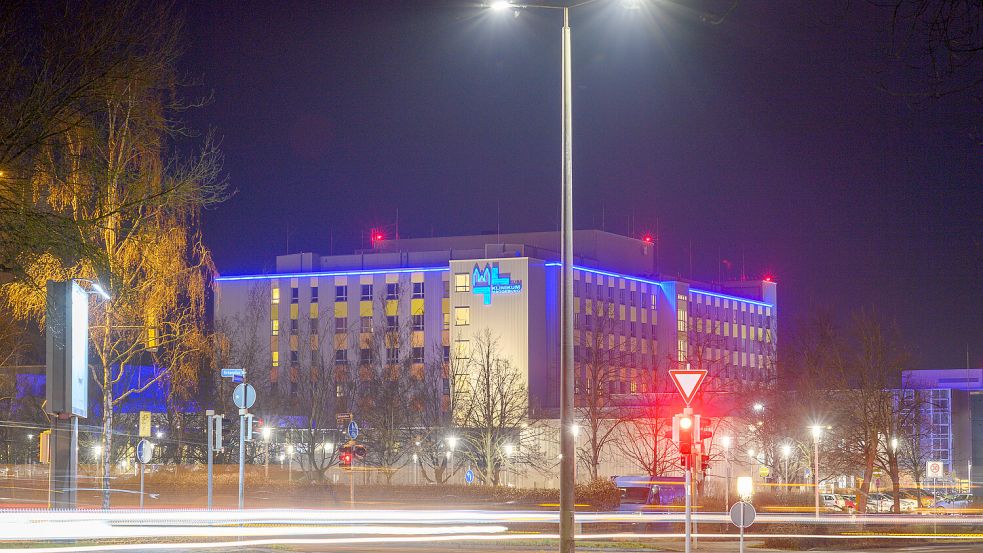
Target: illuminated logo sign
(488, 281)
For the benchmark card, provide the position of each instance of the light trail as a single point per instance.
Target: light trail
(462, 537)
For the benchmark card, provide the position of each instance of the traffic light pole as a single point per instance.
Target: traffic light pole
(688, 470)
(242, 454)
(209, 422)
(351, 481)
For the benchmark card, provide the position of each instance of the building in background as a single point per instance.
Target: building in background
(453, 289)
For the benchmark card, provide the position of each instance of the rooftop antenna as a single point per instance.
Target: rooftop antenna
(743, 274)
(720, 263)
(602, 217)
(397, 223)
(691, 258)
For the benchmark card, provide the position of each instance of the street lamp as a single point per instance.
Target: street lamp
(267, 432)
(786, 451)
(758, 407)
(509, 449)
(290, 463)
(725, 441)
(451, 444)
(817, 432)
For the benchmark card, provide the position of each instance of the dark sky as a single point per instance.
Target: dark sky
(762, 138)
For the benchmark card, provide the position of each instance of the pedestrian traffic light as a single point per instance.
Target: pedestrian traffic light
(705, 425)
(345, 457)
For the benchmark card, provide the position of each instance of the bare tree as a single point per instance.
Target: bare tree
(493, 406)
(438, 401)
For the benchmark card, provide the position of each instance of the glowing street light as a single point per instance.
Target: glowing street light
(758, 407)
(817, 432)
(745, 487)
(500, 5)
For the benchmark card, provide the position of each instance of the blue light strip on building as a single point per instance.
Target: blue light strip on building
(333, 273)
(656, 282)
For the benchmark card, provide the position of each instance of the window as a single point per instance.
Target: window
(366, 324)
(462, 316)
(294, 295)
(366, 292)
(314, 294)
(418, 322)
(392, 322)
(418, 355)
(462, 348)
(276, 327)
(447, 354)
(340, 293)
(462, 282)
(392, 291)
(314, 325)
(276, 296)
(364, 355)
(392, 354)
(276, 358)
(447, 321)
(294, 357)
(293, 326)
(341, 356)
(447, 289)
(417, 290)
(339, 391)
(341, 324)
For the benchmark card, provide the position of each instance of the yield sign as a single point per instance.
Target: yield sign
(687, 382)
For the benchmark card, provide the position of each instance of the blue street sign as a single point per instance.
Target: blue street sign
(469, 476)
(352, 430)
(233, 373)
(145, 451)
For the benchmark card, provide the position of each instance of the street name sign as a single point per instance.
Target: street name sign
(687, 382)
(233, 372)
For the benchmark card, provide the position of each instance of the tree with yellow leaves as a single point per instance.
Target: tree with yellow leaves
(133, 201)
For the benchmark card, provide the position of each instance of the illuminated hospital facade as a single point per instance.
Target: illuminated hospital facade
(450, 290)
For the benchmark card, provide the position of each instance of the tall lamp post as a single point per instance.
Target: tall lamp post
(817, 432)
(451, 444)
(267, 434)
(786, 452)
(726, 441)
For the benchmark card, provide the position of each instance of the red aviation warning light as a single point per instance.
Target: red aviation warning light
(647, 238)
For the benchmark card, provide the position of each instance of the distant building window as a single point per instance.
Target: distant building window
(314, 294)
(294, 295)
(276, 295)
(293, 326)
(392, 291)
(341, 356)
(365, 355)
(462, 316)
(294, 357)
(392, 322)
(462, 282)
(314, 325)
(340, 293)
(341, 324)
(447, 354)
(447, 321)
(276, 358)
(418, 355)
(366, 292)
(366, 324)
(447, 289)
(276, 327)
(417, 290)
(418, 322)
(392, 354)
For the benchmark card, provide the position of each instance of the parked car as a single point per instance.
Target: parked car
(927, 498)
(958, 501)
(884, 503)
(829, 501)
(847, 503)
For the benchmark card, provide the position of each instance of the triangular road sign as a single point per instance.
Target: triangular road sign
(687, 382)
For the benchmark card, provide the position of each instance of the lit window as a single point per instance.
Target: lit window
(392, 291)
(340, 293)
(447, 321)
(462, 316)
(462, 282)
(366, 292)
(276, 295)
(276, 327)
(417, 322)
(276, 358)
(417, 290)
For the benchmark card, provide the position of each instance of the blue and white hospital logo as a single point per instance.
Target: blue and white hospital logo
(488, 281)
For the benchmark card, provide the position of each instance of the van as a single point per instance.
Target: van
(658, 491)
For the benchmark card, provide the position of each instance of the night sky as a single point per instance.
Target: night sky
(762, 140)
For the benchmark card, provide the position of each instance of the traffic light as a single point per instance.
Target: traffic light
(345, 457)
(358, 451)
(705, 425)
(704, 462)
(682, 433)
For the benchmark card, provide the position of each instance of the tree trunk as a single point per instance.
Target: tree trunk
(107, 433)
(865, 487)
